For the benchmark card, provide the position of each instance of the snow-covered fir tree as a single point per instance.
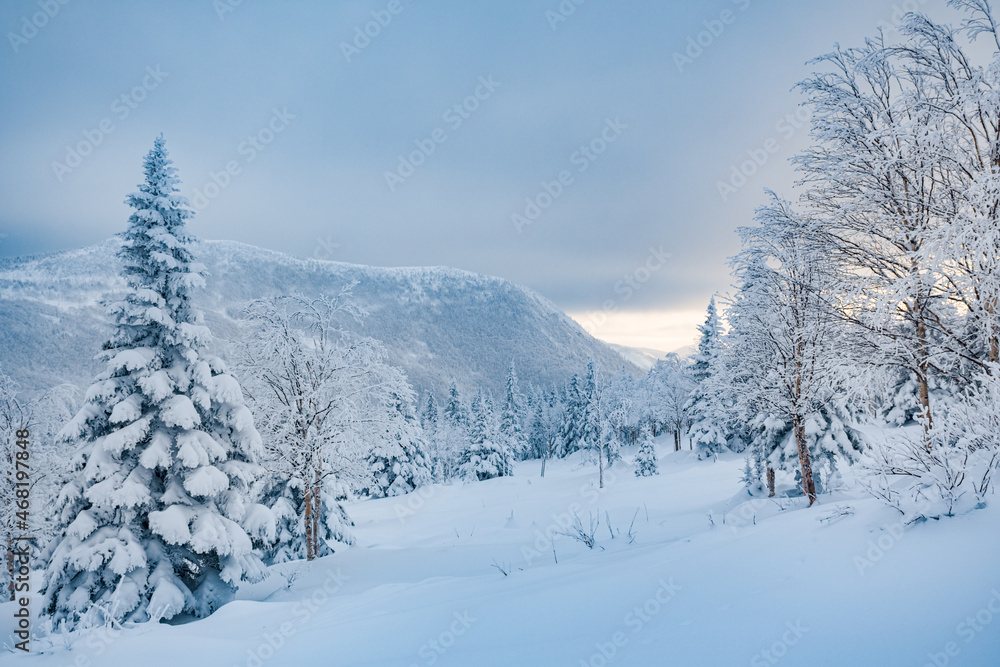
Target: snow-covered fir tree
(575, 403)
(512, 416)
(153, 522)
(437, 437)
(707, 407)
(455, 410)
(487, 455)
(429, 416)
(595, 431)
(398, 461)
(451, 435)
(645, 458)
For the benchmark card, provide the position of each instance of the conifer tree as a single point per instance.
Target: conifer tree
(487, 456)
(398, 462)
(152, 523)
(645, 459)
(512, 417)
(710, 427)
(455, 409)
(429, 417)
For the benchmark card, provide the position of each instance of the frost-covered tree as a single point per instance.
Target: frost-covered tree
(951, 87)
(437, 439)
(596, 419)
(645, 459)
(618, 418)
(879, 179)
(398, 461)
(546, 426)
(670, 388)
(574, 422)
(429, 416)
(782, 333)
(512, 416)
(709, 405)
(320, 395)
(487, 456)
(451, 435)
(155, 519)
(629, 407)
(903, 180)
(455, 410)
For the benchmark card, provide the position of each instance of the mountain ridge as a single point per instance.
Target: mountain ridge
(438, 323)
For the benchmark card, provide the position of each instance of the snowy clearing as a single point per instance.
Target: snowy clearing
(760, 582)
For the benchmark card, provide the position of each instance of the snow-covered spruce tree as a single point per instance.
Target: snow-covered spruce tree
(429, 416)
(320, 395)
(532, 431)
(645, 459)
(595, 431)
(451, 435)
(455, 409)
(628, 409)
(487, 456)
(153, 521)
(398, 461)
(617, 417)
(512, 417)
(708, 406)
(435, 437)
(574, 416)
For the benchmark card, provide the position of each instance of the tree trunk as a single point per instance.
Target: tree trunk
(805, 463)
(308, 521)
(770, 482)
(317, 512)
(677, 439)
(600, 464)
(923, 368)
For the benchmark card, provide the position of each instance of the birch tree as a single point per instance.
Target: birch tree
(315, 389)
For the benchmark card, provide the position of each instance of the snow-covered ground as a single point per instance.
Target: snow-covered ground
(709, 576)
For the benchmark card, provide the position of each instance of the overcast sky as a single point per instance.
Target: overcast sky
(607, 116)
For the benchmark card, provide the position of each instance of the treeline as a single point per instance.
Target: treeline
(590, 413)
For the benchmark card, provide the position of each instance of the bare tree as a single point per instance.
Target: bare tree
(315, 388)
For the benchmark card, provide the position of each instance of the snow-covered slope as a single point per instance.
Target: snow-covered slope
(709, 577)
(438, 323)
(643, 357)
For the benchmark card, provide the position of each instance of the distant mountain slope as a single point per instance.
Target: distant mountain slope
(438, 323)
(643, 358)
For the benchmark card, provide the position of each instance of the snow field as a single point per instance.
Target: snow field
(710, 577)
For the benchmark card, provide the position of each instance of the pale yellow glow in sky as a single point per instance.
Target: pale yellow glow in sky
(662, 330)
